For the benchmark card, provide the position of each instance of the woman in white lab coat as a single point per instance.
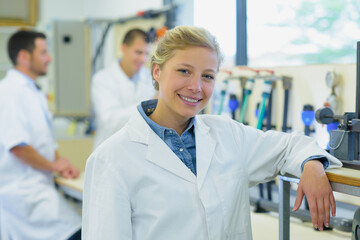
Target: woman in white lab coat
(173, 174)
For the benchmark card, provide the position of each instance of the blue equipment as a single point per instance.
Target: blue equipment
(233, 104)
(308, 117)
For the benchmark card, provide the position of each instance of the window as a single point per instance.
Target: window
(219, 17)
(282, 32)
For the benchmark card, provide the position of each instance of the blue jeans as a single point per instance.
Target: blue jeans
(76, 236)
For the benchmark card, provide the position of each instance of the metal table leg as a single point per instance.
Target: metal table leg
(284, 209)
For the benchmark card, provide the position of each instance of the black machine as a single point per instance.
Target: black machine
(344, 141)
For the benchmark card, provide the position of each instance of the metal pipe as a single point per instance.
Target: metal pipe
(241, 57)
(286, 107)
(100, 47)
(269, 111)
(357, 113)
(287, 86)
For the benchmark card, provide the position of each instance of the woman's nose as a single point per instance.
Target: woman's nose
(195, 84)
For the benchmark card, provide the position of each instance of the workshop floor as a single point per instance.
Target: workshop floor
(266, 226)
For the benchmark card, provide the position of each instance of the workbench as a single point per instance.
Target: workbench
(343, 180)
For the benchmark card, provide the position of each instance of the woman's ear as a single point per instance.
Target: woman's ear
(156, 72)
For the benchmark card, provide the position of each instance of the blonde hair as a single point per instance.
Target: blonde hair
(179, 38)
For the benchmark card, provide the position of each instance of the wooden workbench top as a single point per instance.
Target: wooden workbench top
(346, 176)
(76, 184)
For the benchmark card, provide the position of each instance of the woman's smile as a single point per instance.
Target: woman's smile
(190, 100)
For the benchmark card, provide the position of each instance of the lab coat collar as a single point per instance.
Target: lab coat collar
(157, 152)
(17, 77)
(160, 154)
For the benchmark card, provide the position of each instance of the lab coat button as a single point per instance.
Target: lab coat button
(181, 149)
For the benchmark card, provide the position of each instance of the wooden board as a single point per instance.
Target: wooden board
(76, 184)
(344, 175)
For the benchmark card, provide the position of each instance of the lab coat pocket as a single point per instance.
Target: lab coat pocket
(233, 191)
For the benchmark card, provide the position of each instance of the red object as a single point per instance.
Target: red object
(161, 31)
(249, 68)
(141, 13)
(226, 71)
(268, 70)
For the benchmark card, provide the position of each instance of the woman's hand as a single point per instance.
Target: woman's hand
(315, 185)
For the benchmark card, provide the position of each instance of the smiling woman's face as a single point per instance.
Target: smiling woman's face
(186, 82)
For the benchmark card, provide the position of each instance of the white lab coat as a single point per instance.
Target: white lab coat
(137, 188)
(114, 96)
(31, 208)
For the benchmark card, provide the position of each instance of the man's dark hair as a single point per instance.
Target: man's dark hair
(22, 40)
(135, 33)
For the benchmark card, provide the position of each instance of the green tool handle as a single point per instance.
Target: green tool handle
(222, 99)
(244, 108)
(262, 113)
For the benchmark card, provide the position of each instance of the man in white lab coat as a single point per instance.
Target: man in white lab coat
(116, 90)
(31, 207)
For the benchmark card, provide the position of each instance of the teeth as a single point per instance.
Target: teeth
(189, 99)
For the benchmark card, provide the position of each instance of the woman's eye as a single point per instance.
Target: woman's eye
(210, 77)
(183, 71)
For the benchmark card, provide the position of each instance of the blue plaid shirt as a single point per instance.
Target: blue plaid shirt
(183, 146)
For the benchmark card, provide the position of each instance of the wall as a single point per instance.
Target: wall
(5, 63)
(83, 146)
(79, 9)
